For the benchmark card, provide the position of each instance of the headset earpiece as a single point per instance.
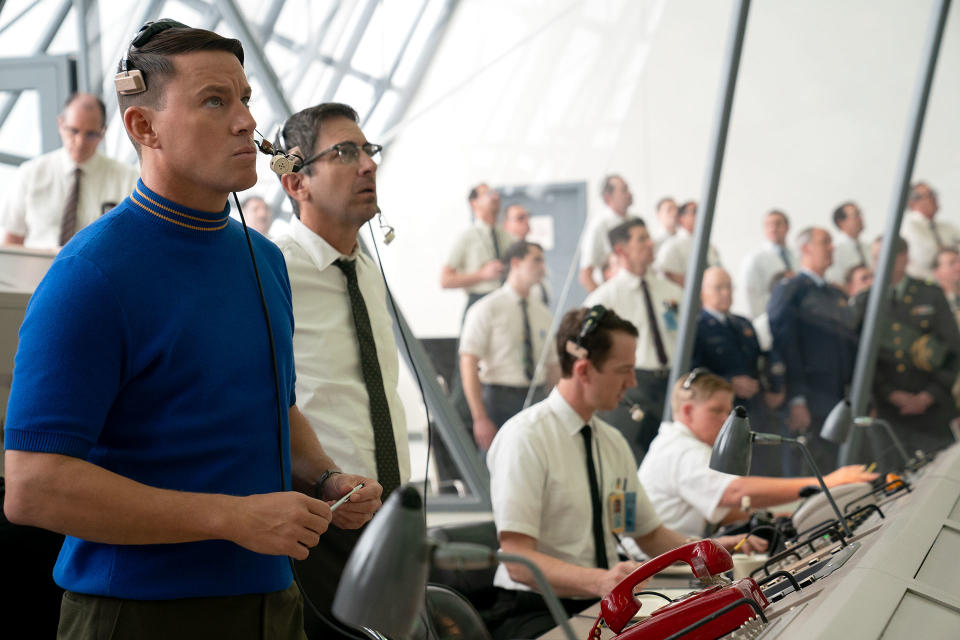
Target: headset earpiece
(282, 165)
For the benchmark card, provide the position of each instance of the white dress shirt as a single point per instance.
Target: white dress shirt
(595, 241)
(758, 270)
(493, 332)
(674, 253)
(330, 388)
(539, 485)
(845, 256)
(922, 244)
(684, 489)
(37, 197)
(474, 248)
(623, 294)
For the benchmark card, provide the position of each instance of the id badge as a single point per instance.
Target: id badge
(630, 511)
(616, 511)
(670, 319)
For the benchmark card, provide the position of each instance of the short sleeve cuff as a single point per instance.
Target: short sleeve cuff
(523, 528)
(46, 442)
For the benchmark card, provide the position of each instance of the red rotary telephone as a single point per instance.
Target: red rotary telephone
(709, 561)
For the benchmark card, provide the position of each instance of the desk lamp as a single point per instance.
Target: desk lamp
(838, 425)
(383, 582)
(734, 448)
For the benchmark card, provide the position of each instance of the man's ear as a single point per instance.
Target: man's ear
(294, 186)
(581, 369)
(686, 412)
(139, 125)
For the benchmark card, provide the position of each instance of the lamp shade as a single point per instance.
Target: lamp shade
(382, 585)
(732, 449)
(836, 428)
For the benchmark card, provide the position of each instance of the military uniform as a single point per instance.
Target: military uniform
(814, 331)
(727, 345)
(918, 350)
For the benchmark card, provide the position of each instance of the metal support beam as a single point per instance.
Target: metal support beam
(867, 350)
(340, 71)
(701, 235)
(89, 59)
(270, 20)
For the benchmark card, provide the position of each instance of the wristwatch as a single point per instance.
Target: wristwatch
(318, 485)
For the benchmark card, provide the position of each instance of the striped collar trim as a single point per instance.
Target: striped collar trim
(176, 214)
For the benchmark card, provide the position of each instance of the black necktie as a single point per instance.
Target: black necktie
(384, 443)
(786, 258)
(496, 243)
(528, 366)
(544, 296)
(654, 327)
(936, 235)
(863, 258)
(68, 224)
(599, 543)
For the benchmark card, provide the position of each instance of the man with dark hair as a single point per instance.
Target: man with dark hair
(918, 360)
(859, 277)
(594, 243)
(813, 331)
(946, 273)
(502, 342)
(674, 253)
(556, 466)
(343, 346)
(258, 214)
(848, 249)
(475, 263)
(55, 195)
(516, 221)
(773, 256)
(667, 218)
(165, 441)
(924, 232)
(689, 496)
(651, 304)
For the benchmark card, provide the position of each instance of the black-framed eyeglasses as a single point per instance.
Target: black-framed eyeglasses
(348, 152)
(692, 377)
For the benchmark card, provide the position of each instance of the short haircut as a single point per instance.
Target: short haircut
(250, 199)
(621, 232)
(597, 343)
(803, 238)
(697, 386)
(606, 187)
(76, 95)
(518, 250)
(303, 128)
(899, 244)
(778, 212)
(848, 276)
(475, 192)
(839, 215)
(914, 188)
(153, 59)
(664, 200)
(689, 204)
(936, 258)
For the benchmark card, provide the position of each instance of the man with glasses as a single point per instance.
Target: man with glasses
(346, 357)
(59, 193)
(924, 233)
(688, 495)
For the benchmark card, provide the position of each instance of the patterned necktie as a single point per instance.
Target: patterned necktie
(496, 243)
(654, 327)
(68, 224)
(785, 257)
(528, 366)
(385, 445)
(599, 544)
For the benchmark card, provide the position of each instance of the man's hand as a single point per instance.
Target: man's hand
(492, 270)
(848, 474)
(610, 578)
(774, 400)
(744, 386)
(752, 544)
(900, 399)
(799, 418)
(360, 507)
(483, 432)
(286, 523)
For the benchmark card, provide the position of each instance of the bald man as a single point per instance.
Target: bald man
(59, 193)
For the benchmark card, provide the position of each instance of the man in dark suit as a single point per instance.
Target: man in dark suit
(727, 345)
(918, 359)
(814, 332)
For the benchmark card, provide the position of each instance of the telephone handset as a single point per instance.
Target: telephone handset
(709, 561)
(816, 510)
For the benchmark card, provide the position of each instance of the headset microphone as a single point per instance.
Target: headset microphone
(389, 234)
(281, 163)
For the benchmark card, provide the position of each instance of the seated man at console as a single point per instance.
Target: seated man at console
(564, 484)
(687, 494)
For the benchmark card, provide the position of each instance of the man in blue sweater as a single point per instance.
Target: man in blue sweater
(144, 422)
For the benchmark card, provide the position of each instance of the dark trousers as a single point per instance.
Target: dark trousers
(524, 614)
(503, 402)
(650, 394)
(268, 616)
(320, 575)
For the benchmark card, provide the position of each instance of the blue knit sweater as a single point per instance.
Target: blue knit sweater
(144, 350)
